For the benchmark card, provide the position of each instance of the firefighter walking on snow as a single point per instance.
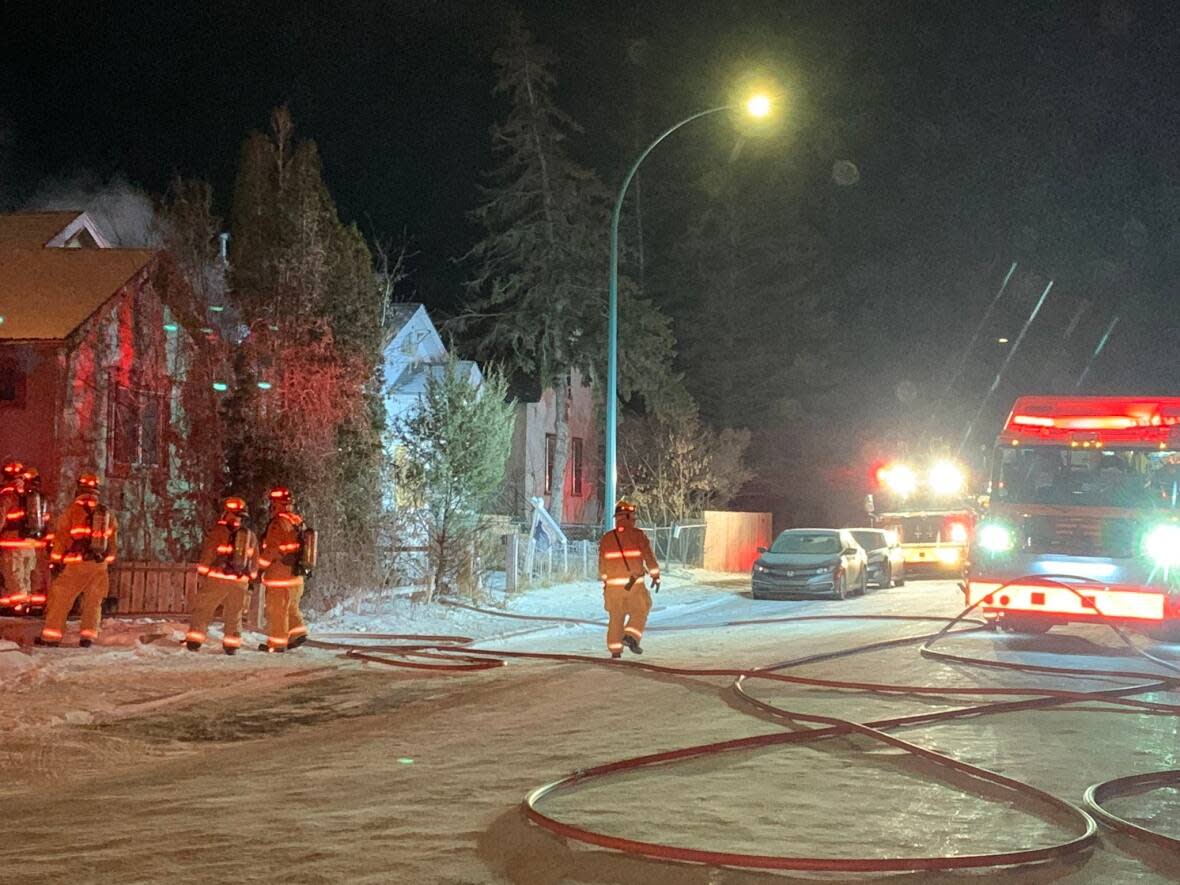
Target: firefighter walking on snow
(84, 544)
(624, 555)
(288, 556)
(228, 563)
(22, 526)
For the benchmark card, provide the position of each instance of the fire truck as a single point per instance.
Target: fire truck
(927, 508)
(1082, 521)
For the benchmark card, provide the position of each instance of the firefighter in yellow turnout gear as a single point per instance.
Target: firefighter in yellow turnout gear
(288, 555)
(624, 555)
(22, 526)
(84, 545)
(228, 563)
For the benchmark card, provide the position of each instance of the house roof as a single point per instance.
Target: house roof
(399, 315)
(48, 291)
(412, 382)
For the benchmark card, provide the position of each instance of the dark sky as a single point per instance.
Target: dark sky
(1038, 131)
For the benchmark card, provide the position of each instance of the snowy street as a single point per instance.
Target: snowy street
(142, 763)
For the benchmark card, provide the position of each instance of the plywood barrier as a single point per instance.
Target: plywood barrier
(732, 539)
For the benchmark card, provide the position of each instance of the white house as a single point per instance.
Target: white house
(415, 352)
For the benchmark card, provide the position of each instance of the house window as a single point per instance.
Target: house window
(12, 385)
(137, 428)
(550, 458)
(576, 454)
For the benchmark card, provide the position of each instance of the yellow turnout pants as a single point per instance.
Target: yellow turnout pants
(284, 620)
(86, 578)
(627, 610)
(212, 592)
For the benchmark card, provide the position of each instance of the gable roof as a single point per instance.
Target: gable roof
(47, 288)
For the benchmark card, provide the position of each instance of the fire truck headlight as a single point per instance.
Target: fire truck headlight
(899, 478)
(958, 533)
(1162, 544)
(995, 538)
(946, 478)
(891, 538)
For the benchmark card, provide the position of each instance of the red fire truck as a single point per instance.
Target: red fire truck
(1082, 521)
(926, 508)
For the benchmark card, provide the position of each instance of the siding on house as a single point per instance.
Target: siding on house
(528, 463)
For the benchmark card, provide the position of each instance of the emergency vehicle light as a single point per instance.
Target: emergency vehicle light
(1162, 544)
(995, 538)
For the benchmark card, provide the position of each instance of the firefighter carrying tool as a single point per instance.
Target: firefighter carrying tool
(623, 556)
(229, 562)
(84, 544)
(288, 556)
(22, 526)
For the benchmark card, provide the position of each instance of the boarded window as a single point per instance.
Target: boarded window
(576, 456)
(137, 428)
(12, 385)
(550, 458)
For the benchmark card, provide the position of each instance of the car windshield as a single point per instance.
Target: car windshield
(824, 543)
(870, 540)
(1127, 478)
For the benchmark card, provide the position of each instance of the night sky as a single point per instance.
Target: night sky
(985, 133)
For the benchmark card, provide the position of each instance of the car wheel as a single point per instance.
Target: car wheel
(900, 581)
(864, 582)
(886, 576)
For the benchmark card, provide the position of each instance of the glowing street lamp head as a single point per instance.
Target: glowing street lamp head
(758, 105)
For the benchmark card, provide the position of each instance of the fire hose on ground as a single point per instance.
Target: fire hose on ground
(455, 654)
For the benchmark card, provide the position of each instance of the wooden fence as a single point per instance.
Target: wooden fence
(163, 588)
(732, 539)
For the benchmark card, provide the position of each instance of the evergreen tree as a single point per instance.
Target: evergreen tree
(454, 446)
(541, 268)
(306, 408)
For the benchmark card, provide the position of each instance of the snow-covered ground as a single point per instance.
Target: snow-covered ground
(141, 763)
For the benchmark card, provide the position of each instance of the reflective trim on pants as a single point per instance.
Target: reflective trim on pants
(627, 610)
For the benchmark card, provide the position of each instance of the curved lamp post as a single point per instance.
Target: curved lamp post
(756, 106)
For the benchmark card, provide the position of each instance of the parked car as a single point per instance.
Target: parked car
(807, 562)
(886, 558)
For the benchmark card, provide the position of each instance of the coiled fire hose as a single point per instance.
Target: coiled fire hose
(451, 654)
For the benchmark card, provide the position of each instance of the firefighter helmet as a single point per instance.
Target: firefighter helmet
(234, 505)
(625, 508)
(280, 495)
(88, 482)
(12, 469)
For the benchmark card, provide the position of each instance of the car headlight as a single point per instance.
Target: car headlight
(1162, 544)
(995, 538)
(759, 568)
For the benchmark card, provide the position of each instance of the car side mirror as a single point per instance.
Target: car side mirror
(763, 550)
(850, 551)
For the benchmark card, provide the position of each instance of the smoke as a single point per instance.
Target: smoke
(123, 212)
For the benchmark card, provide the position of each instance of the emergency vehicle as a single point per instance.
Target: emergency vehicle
(1081, 521)
(927, 509)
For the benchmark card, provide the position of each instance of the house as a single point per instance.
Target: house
(93, 374)
(415, 352)
(534, 446)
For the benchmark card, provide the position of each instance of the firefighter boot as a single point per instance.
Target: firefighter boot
(297, 640)
(616, 654)
(192, 645)
(230, 649)
(273, 649)
(85, 642)
(632, 643)
(37, 640)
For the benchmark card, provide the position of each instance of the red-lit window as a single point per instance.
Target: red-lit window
(576, 455)
(550, 458)
(137, 428)
(12, 385)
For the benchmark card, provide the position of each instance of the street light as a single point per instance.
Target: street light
(759, 105)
